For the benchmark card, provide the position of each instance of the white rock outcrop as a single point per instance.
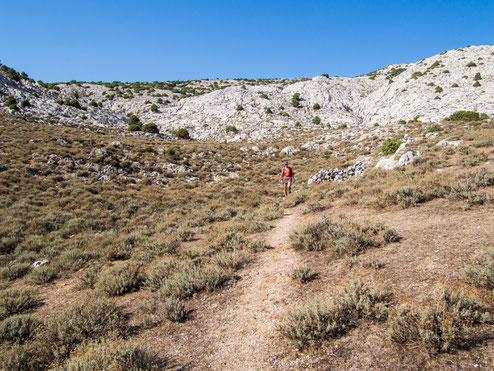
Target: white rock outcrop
(428, 90)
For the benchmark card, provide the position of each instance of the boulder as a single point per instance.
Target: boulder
(446, 143)
(290, 150)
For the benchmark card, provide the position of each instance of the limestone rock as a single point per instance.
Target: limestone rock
(290, 150)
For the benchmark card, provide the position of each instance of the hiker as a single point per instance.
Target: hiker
(287, 178)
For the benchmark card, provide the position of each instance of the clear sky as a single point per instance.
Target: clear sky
(107, 40)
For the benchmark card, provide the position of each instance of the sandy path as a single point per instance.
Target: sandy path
(244, 338)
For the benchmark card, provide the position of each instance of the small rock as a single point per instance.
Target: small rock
(39, 263)
(100, 152)
(60, 141)
(446, 143)
(290, 150)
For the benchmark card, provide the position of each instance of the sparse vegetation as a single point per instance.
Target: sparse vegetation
(441, 324)
(467, 116)
(390, 146)
(322, 320)
(231, 129)
(342, 237)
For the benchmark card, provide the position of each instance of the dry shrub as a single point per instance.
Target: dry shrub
(108, 355)
(89, 319)
(14, 271)
(441, 324)
(481, 273)
(184, 283)
(42, 275)
(302, 274)
(314, 207)
(233, 260)
(13, 301)
(343, 237)
(296, 199)
(18, 328)
(121, 279)
(270, 212)
(72, 260)
(319, 321)
(89, 277)
(162, 271)
(172, 309)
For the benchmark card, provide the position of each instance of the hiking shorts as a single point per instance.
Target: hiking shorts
(289, 180)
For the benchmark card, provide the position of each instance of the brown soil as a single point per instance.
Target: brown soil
(234, 328)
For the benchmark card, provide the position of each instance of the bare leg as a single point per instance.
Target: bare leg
(290, 187)
(285, 186)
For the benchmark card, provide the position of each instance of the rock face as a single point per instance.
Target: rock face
(337, 175)
(430, 89)
(402, 157)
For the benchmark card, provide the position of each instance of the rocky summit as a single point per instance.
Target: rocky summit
(256, 110)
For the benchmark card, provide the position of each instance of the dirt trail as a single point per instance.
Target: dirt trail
(244, 338)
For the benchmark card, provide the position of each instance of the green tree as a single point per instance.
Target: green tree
(316, 120)
(150, 128)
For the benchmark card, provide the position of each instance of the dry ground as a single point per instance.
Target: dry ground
(235, 328)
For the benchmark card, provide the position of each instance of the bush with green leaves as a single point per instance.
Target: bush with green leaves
(181, 133)
(434, 128)
(471, 64)
(134, 123)
(319, 321)
(14, 300)
(439, 89)
(316, 106)
(296, 100)
(93, 103)
(239, 107)
(11, 73)
(150, 127)
(154, 108)
(342, 237)
(11, 103)
(17, 329)
(269, 111)
(440, 324)
(231, 129)
(476, 84)
(390, 146)
(342, 126)
(477, 76)
(316, 120)
(121, 279)
(467, 116)
(92, 318)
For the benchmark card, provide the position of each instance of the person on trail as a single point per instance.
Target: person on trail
(287, 178)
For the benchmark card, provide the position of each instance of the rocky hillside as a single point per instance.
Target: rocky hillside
(246, 109)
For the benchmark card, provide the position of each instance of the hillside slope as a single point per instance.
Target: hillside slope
(431, 89)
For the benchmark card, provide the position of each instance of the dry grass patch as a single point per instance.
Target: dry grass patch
(322, 320)
(441, 324)
(342, 237)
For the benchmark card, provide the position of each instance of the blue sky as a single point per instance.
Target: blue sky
(182, 40)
